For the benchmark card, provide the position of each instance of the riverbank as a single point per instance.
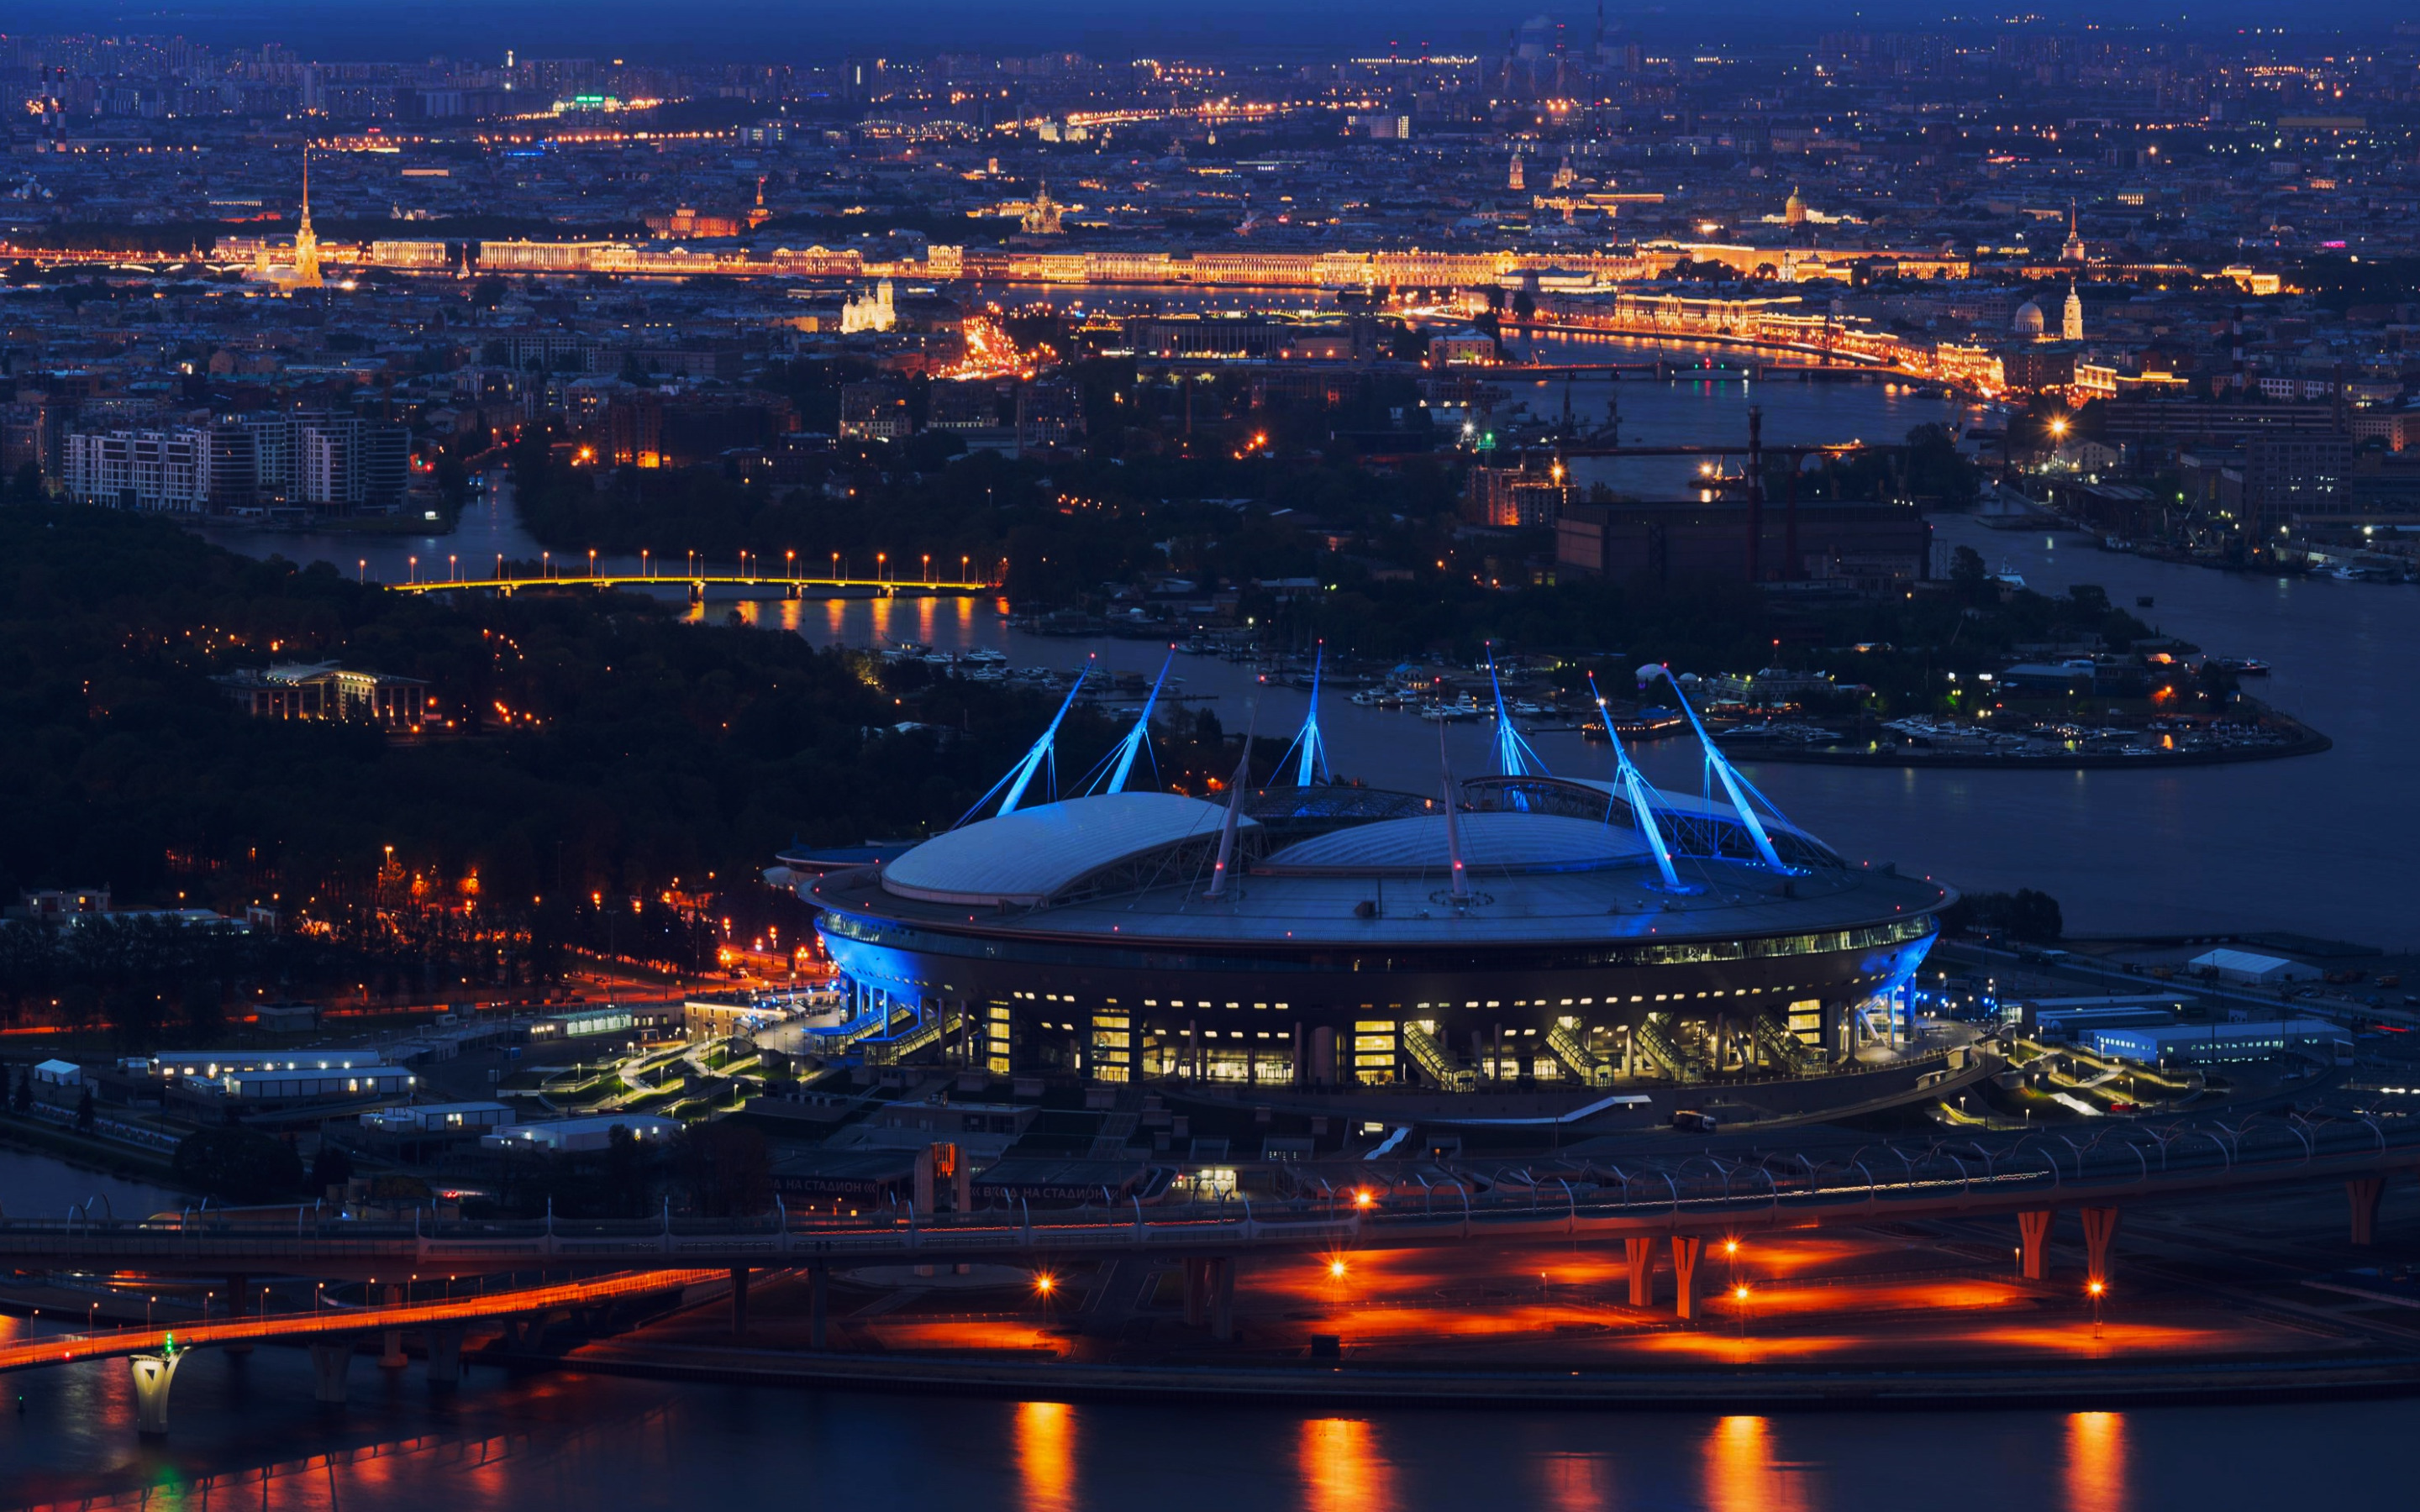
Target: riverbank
(1315, 1383)
(2302, 741)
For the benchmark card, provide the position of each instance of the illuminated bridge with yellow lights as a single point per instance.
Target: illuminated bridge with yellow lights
(697, 584)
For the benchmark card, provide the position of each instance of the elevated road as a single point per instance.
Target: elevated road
(1660, 1196)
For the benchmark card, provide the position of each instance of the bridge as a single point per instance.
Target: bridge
(1682, 1199)
(698, 583)
(156, 1352)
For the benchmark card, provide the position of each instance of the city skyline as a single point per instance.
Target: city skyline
(1371, 761)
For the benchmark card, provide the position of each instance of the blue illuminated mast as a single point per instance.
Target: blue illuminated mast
(1514, 755)
(1021, 776)
(1136, 738)
(1636, 791)
(1744, 797)
(1310, 748)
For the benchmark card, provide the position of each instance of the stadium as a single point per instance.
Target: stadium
(1513, 927)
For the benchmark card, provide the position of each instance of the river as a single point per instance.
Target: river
(2326, 845)
(569, 1443)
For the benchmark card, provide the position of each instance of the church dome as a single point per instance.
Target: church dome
(2029, 319)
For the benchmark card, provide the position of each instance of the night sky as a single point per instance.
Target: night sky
(397, 29)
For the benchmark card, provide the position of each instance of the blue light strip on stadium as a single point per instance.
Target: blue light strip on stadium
(1128, 748)
(1733, 784)
(1309, 747)
(1514, 755)
(1021, 776)
(1636, 791)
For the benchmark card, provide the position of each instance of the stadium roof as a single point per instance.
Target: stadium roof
(1031, 855)
(1490, 842)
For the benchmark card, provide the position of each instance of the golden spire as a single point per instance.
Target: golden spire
(306, 244)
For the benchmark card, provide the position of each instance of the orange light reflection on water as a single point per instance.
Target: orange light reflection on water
(1046, 1455)
(1740, 1474)
(1341, 1468)
(1575, 1482)
(2096, 1462)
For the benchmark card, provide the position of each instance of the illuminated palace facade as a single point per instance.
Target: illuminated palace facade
(1535, 928)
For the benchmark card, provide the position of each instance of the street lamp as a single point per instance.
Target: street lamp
(2097, 1288)
(790, 565)
(546, 563)
(644, 570)
(361, 569)
(591, 561)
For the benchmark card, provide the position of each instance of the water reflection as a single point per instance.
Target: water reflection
(1343, 1470)
(1575, 1482)
(1046, 1455)
(1741, 1473)
(2096, 1462)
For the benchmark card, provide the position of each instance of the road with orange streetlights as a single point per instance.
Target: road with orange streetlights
(64, 1349)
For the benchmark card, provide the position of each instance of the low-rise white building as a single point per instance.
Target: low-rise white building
(572, 1136)
(2255, 970)
(440, 1118)
(2214, 1044)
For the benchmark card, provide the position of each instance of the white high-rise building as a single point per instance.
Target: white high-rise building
(166, 468)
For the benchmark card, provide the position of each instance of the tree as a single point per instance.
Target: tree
(86, 1115)
(726, 1170)
(1969, 581)
(2024, 914)
(238, 1165)
(625, 1174)
(330, 1168)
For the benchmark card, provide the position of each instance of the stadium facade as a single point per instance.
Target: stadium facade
(1537, 928)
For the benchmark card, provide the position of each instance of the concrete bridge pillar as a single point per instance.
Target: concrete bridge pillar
(2033, 1231)
(329, 1365)
(1222, 1299)
(2363, 1194)
(1642, 1271)
(1197, 1289)
(445, 1355)
(738, 1300)
(1685, 1250)
(153, 1375)
(2099, 1232)
(818, 1285)
(390, 1355)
